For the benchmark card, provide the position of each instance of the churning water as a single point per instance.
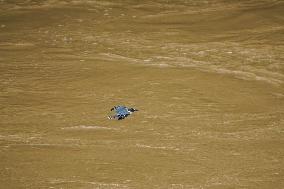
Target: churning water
(206, 75)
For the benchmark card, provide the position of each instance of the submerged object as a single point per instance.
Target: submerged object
(121, 112)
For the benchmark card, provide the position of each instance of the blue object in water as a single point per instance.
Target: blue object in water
(121, 112)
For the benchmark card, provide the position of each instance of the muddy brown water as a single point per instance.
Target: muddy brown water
(207, 77)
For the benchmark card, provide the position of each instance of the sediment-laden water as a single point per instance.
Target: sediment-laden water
(206, 76)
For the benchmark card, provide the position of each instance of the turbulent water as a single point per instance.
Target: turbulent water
(206, 75)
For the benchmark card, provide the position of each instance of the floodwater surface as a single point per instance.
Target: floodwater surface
(206, 76)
